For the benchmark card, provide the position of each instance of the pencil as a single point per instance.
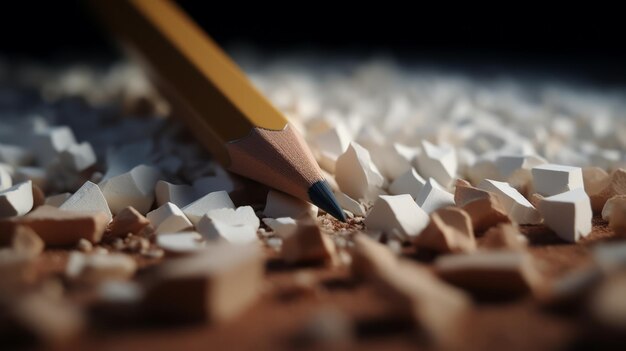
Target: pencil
(223, 110)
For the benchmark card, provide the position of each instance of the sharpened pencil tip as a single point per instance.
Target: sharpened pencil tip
(322, 196)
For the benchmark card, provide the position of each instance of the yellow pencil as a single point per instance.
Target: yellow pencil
(221, 107)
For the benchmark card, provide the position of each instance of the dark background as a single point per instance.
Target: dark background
(586, 45)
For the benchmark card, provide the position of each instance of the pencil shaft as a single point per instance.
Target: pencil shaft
(187, 63)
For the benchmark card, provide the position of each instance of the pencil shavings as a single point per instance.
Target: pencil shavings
(307, 244)
(449, 231)
(411, 290)
(493, 274)
(604, 189)
(214, 285)
(504, 236)
(127, 221)
(515, 204)
(58, 227)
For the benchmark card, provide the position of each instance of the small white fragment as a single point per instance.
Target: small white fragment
(330, 144)
(168, 219)
(279, 204)
(95, 267)
(515, 204)
(408, 183)
(433, 197)
(50, 142)
(397, 214)
(235, 226)
(394, 160)
(180, 243)
(610, 203)
(16, 200)
(436, 162)
(78, 157)
(88, 198)
(212, 201)
(134, 188)
(551, 179)
(355, 173)
(35, 174)
(282, 226)
(5, 178)
(568, 214)
(349, 204)
(180, 195)
(508, 164)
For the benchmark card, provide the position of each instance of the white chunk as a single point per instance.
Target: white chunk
(58, 199)
(349, 204)
(330, 144)
(551, 179)
(51, 142)
(15, 155)
(88, 198)
(439, 163)
(508, 164)
(16, 200)
(433, 197)
(235, 226)
(212, 201)
(515, 204)
(279, 204)
(168, 219)
(568, 214)
(397, 215)
(179, 195)
(5, 179)
(282, 226)
(408, 183)
(35, 174)
(134, 188)
(78, 157)
(180, 243)
(394, 160)
(355, 173)
(483, 168)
